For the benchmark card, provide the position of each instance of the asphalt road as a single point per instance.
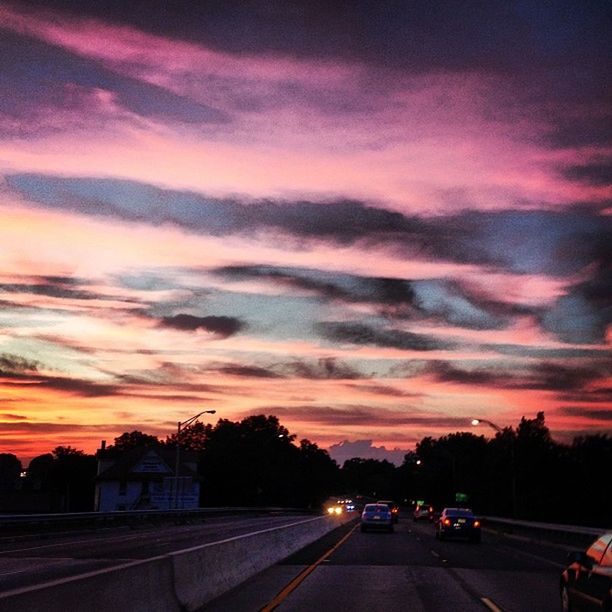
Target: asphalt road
(27, 562)
(408, 570)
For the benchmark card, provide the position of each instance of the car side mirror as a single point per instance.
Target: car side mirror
(580, 557)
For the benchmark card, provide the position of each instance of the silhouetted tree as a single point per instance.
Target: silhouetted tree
(372, 477)
(318, 475)
(252, 462)
(134, 439)
(406, 479)
(537, 461)
(500, 475)
(10, 470)
(257, 462)
(588, 492)
(38, 471)
(193, 437)
(67, 476)
(449, 465)
(73, 474)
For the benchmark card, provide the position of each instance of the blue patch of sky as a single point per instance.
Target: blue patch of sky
(54, 357)
(276, 317)
(558, 28)
(541, 242)
(521, 351)
(435, 299)
(145, 280)
(574, 319)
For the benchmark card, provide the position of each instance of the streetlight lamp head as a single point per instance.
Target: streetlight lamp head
(475, 422)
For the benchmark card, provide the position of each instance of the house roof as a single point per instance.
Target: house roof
(144, 463)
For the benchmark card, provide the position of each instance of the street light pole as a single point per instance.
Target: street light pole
(498, 429)
(180, 425)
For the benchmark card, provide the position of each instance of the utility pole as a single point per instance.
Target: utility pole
(179, 426)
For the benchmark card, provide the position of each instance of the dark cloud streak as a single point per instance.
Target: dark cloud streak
(219, 325)
(587, 413)
(576, 237)
(539, 377)
(361, 334)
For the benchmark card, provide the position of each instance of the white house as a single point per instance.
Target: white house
(143, 479)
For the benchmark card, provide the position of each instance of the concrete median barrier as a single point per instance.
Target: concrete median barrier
(207, 571)
(183, 580)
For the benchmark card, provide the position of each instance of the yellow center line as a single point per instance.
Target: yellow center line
(490, 604)
(302, 576)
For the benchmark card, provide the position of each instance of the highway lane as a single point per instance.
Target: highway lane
(29, 562)
(409, 570)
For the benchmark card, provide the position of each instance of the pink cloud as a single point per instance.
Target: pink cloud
(412, 152)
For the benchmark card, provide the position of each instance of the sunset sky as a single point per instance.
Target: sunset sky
(374, 220)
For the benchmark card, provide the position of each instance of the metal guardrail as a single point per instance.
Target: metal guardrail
(24, 523)
(552, 532)
(594, 531)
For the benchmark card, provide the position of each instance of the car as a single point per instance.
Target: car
(393, 506)
(423, 512)
(376, 516)
(458, 523)
(335, 509)
(586, 584)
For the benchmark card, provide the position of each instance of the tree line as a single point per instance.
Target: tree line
(519, 472)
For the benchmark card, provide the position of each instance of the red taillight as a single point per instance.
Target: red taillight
(447, 521)
(476, 523)
(431, 508)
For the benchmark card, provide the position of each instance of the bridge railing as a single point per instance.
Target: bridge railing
(15, 524)
(571, 535)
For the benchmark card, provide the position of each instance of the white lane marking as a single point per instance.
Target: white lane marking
(434, 553)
